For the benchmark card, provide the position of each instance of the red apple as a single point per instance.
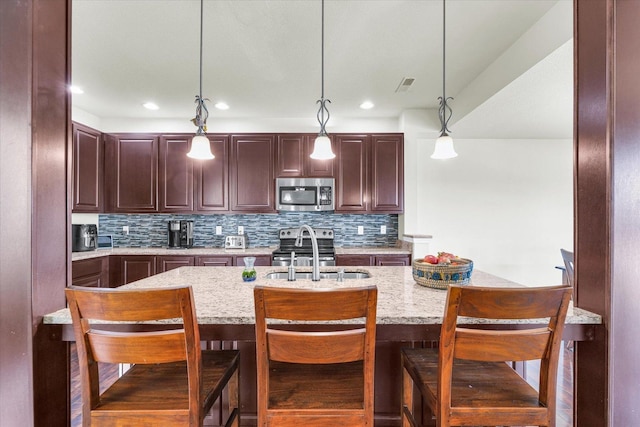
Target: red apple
(431, 259)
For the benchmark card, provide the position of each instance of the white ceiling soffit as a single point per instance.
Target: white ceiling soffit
(262, 57)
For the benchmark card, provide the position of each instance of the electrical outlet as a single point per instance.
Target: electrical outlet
(360, 229)
(240, 229)
(383, 229)
(218, 230)
(125, 229)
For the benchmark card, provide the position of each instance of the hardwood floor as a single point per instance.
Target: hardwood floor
(108, 374)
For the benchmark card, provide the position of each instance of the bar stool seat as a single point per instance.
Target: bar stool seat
(171, 382)
(466, 382)
(315, 375)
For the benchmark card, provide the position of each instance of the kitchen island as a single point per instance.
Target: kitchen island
(408, 315)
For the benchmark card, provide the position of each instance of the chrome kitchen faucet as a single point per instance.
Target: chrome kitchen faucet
(315, 275)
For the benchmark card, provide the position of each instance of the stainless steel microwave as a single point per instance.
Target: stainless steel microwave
(305, 194)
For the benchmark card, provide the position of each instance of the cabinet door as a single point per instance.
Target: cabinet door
(212, 177)
(318, 168)
(93, 272)
(355, 260)
(261, 260)
(290, 153)
(166, 262)
(393, 260)
(175, 174)
(352, 173)
(251, 182)
(214, 261)
(88, 152)
(136, 267)
(387, 174)
(131, 173)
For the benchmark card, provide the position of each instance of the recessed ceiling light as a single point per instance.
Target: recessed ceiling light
(221, 106)
(151, 106)
(76, 90)
(367, 105)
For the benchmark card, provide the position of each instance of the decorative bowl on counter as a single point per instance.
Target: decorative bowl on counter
(440, 276)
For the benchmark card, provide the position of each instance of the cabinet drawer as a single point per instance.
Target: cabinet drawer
(87, 267)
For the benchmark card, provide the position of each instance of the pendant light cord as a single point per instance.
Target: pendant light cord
(201, 32)
(322, 101)
(201, 108)
(322, 53)
(444, 111)
(444, 50)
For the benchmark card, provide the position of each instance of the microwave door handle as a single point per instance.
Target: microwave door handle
(318, 197)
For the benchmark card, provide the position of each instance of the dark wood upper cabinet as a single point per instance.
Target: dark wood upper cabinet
(370, 173)
(292, 158)
(251, 180)
(212, 177)
(131, 173)
(290, 151)
(88, 153)
(175, 183)
(387, 173)
(318, 168)
(352, 175)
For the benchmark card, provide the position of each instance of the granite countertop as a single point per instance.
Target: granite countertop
(373, 250)
(223, 298)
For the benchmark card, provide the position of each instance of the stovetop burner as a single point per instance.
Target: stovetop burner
(288, 236)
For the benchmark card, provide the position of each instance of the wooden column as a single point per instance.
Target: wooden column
(35, 263)
(607, 190)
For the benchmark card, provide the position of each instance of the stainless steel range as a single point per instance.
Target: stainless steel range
(304, 254)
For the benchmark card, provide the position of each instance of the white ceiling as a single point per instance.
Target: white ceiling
(509, 62)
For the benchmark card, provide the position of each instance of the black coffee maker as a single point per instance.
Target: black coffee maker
(180, 234)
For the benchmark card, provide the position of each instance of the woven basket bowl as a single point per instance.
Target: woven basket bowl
(440, 276)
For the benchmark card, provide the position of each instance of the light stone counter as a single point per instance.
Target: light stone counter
(222, 298)
(205, 251)
(76, 256)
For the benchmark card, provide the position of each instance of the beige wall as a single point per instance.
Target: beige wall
(506, 204)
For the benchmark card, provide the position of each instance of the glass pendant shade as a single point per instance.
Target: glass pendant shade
(200, 148)
(444, 148)
(322, 149)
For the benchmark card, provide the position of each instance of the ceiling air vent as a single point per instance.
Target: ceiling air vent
(405, 84)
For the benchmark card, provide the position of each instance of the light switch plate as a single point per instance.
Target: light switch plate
(383, 229)
(218, 230)
(125, 229)
(360, 229)
(240, 230)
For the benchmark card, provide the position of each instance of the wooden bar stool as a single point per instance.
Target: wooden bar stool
(466, 382)
(309, 377)
(172, 381)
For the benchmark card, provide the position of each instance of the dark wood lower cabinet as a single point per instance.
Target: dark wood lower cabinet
(166, 263)
(378, 260)
(93, 272)
(392, 260)
(355, 260)
(215, 261)
(125, 269)
(261, 260)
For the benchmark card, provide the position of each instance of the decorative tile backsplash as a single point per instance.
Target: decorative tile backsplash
(150, 230)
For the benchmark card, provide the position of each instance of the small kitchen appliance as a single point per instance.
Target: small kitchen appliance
(305, 194)
(235, 242)
(84, 237)
(304, 254)
(180, 234)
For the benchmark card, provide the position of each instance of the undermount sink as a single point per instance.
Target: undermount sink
(331, 275)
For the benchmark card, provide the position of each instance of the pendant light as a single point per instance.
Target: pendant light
(444, 143)
(322, 145)
(200, 146)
